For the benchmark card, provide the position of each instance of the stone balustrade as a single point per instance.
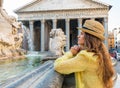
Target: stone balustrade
(42, 77)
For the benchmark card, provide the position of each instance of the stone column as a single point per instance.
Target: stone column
(67, 34)
(79, 24)
(31, 43)
(106, 31)
(92, 18)
(54, 23)
(42, 35)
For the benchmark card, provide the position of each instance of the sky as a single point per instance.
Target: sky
(113, 18)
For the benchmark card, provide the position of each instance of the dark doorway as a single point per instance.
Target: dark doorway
(37, 35)
(73, 32)
(61, 24)
(100, 20)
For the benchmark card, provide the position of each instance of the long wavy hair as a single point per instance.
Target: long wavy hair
(105, 69)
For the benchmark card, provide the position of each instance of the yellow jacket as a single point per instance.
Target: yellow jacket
(84, 65)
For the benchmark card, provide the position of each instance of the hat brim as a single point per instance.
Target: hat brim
(92, 33)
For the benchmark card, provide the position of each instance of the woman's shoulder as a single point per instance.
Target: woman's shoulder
(86, 53)
(83, 52)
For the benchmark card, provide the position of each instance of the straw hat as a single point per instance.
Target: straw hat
(94, 28)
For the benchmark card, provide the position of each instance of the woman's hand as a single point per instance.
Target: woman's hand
(75, 49)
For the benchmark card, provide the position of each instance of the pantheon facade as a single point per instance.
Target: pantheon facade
(41, 16)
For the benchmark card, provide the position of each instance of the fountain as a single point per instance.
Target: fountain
(26, 38)
(18, 69)
(10, 38)
(13, 61)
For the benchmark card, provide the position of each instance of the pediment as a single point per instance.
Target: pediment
(49, 5)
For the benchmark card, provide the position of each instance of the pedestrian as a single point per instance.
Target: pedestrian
(89, 60)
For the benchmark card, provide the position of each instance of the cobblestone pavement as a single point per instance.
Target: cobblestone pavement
(117, 67)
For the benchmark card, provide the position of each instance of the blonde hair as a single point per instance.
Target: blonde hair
(105, 68)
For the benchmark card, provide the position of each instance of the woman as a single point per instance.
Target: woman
(90, 60)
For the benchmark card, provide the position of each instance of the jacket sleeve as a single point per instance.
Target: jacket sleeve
(64, 65)
(66, 56)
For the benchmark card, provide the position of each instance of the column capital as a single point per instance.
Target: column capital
(43, 21)
(105, 19)
(54, 20)
(80, 20)
(92, 18)
(54, 23)
(67, 20)
(31, 22)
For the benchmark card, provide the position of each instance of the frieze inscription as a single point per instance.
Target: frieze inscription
(62, 14)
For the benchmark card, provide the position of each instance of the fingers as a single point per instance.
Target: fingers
(76, 47)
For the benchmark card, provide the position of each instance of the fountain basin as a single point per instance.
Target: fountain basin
(13, 68)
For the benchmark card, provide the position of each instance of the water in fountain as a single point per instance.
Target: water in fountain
(18, 67)
(27, 37)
